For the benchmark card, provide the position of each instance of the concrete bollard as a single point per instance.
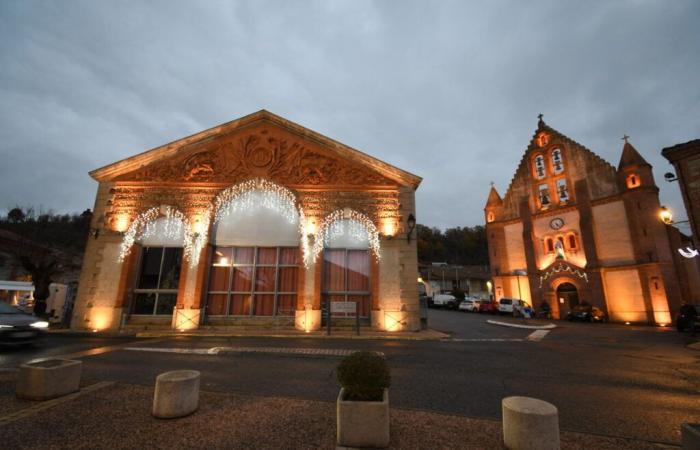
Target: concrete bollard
(530, 424)
(176, 394)
(49, 378)
(690, 436)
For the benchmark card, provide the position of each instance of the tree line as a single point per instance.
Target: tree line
(459, 245)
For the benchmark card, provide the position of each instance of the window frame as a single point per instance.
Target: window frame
(345, 293)
(232, 264)
(157, 291)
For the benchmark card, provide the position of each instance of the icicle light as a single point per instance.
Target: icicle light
(340, 222)
(175, 226)
(257, 193)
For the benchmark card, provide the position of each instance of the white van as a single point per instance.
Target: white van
(505, 305)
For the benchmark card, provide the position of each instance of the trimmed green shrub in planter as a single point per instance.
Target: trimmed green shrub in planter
(364, 376)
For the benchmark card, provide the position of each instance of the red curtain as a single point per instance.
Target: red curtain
(358, 271)
(267, 256)
(286, 304)
(264, 304)
(240, 305)
(216, 304)
(334, 270)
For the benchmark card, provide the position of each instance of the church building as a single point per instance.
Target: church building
(257, 222)
(572, 228)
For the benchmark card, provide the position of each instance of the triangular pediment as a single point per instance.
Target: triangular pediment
(259, 145)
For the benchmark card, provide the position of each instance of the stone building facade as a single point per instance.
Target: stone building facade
(572, 228)
(686, 162)
(257, 222)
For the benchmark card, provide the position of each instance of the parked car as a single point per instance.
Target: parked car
(505, 305)
(523, 309)
(17, 327)
(488, 306)
(688, 318)
(586, 313)
(445, 301)
(469, 304)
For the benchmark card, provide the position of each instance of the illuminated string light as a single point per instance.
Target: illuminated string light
(173, 225)
(341, 222)
(563, 268)
(257, 193)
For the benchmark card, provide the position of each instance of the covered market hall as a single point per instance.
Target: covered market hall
(256, 222)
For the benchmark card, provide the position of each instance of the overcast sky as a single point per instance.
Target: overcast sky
(447, 90)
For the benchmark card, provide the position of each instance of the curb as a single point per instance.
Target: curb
(147, 334)
(549, 326)
(694, 346)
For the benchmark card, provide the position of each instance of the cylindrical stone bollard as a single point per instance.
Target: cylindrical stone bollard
(176, 394)
(530, 424)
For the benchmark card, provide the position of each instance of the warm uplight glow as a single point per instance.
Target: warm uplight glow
(627, 323)
(122, 223)
(420, 280)
(489, 286)
(198, 225)
(186, 319)
(311, 226)
(663, 324)
(389, 227)
(666, 216)
(100, 318)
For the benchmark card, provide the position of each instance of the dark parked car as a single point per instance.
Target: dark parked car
(586, 313)
(17, 327)
(688, 318)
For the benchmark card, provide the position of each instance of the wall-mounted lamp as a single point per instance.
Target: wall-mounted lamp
(411, 222)
(666, 216)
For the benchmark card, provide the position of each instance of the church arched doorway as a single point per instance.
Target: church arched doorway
(567, 294)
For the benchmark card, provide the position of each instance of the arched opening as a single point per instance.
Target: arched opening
(160, 242)
(256, 253)
(567, 294)
(348, 241)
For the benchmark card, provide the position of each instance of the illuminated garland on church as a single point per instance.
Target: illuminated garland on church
(247, 195)
(175, 226)
(563, 268)
(340, 222)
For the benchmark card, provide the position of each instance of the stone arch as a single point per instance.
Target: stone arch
(260, 192)
(165, 219)
(362, 221)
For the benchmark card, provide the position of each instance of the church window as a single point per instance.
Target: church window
(490, 217)
(544, 195)
(572, 242)
(540, 171)
(633, 181)
(560, 239)
(542, 139)
(549, 245)
(562, 191)
(557, 161)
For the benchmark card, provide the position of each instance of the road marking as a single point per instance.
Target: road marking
(537, 335)
(276, 350)
(91, 351)
(34, 409)
(549, 326)
(483, 340)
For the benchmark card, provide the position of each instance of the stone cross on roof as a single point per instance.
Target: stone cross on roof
(625, 138)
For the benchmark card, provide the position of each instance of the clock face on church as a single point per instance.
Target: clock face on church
(556, 223)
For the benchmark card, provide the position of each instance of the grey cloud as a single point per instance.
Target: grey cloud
(447, 90)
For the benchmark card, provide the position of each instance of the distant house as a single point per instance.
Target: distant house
(444, 277)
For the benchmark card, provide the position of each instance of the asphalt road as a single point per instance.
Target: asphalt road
(615, 380)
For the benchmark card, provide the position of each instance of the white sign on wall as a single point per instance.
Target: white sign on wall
(343, 307)
(688, 252)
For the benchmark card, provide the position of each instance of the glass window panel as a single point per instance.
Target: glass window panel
(358, 271)
(264, 304)
(166, 303)
(240, 305)
(244, 255)
(333, 270)
(265, 279)
(288, 279)
(216, 304)
(150, 267)
(222, 256)
(289, 255)
(144, 302)
(172, 264)
(267, 255)
(363, 303)
(286, 304)
(218, 278)
(242, 279)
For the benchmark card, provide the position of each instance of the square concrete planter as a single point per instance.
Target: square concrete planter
(50, 378)
(363, 424)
